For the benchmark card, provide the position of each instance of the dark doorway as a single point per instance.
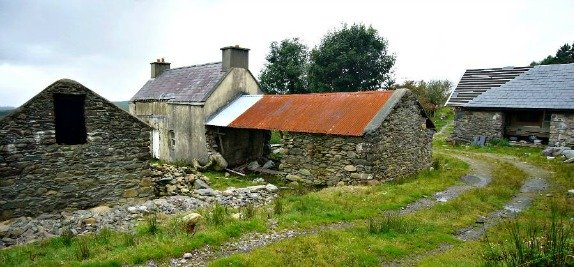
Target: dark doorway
(70, 119)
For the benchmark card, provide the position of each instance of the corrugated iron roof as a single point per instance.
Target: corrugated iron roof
(228, 114)
(185, 84)
(331, 113)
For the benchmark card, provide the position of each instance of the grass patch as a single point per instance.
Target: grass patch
(443, 116)
(275, 137)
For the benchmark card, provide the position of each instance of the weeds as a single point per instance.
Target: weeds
(83, 251)
(278, 206)
(67, 236)
(151, 226)
(218, 215)
(499, 142)
(390, 223)
(536, 245)
(249, 212)
(129, 240)
(103, 237)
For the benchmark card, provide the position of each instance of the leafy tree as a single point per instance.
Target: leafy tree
(564, 55)
(285, 70)
(353, 58)
(432, 94)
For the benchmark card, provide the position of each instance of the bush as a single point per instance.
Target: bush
(67, 236)
(499, 142)
(151, 226)
(278, 206)
(249, 212)
(218, 215)
(536, 245)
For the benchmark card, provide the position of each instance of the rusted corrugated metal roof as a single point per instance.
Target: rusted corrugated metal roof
(330, 113)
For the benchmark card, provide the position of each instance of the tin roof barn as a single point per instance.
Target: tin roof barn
(531, 102)
(336, 138)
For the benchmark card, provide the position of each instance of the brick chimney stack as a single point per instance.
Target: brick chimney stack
(235, 57)
(158, 67)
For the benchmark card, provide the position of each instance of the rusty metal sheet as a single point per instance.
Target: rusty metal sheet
(328, 113)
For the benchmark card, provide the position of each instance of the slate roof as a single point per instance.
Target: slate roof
(477, 81)
(186, 84)
(544, 86)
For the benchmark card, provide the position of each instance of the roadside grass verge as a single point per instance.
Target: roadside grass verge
(383, 238)
(162, 238)
(443, 116)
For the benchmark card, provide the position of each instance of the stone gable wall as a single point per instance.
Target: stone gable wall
(562, 129)
(471, 123)
(38, 175)
(401, 146)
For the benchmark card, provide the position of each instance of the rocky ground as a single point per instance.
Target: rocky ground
(182, 189)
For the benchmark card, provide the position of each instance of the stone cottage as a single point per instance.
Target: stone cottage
(333, 138)
(68, 147)
(515, 102)
(177, 102)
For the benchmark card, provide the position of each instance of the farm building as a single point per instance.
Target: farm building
(68, 147)
(177, 102)
(515, 103)
(334, 138)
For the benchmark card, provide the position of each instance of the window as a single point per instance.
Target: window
(69, 113)
(171, 139)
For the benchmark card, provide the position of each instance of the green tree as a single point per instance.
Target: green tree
(353, 58)
(285, 70)
(564, 55)
(432, 94)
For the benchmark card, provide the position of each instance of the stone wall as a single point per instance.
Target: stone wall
(38, 175)
(562, 129)
(471, 123)
(401, 146)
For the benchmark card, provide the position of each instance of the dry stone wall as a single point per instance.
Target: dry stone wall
(471, 123)
(401, 146)
(562, 129)
(38, 175)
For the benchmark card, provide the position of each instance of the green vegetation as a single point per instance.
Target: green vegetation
(564, 55)
(295, 211)
(275, 137)
(432, 95)
(388, 238)
(286, 68)
(442, 116)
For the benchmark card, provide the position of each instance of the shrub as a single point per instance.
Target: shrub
(129, 240)
(151, 226)
(103, 237)
(535, 245)
(218, 215)
(499, 142)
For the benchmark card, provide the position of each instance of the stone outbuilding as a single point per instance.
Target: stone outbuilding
(68, 147)
(333, 138)
(512, 102)
(177, 102)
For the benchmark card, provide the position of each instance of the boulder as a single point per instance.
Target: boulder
(271, 188)
(568, 153)
(350, 168)
(199, 184)
(269, 164)
(191, 218)
(253, 165)
(219, 163)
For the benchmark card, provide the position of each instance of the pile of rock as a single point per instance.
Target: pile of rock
(123, 218)
(170, 180)
(566, 152)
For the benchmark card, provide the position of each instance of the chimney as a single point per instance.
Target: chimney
(158, 67)
(235, 57)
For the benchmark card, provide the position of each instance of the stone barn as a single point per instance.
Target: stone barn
(515, 102)
(68, 147)
(177, 102)
(340, 138)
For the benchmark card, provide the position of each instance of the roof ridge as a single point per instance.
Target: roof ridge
(197, 65)
(332, 93)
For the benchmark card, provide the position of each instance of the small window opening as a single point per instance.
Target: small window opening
(69, 112)
(171, 139)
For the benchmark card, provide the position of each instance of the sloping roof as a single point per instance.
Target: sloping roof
(234, 110)
(477, 81)
(350, 114)
(544, 86)
(186, 84)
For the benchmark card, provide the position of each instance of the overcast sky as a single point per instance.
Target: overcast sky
(108, 45)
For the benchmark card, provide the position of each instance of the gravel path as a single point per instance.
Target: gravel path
(535, 185)
(479, 176)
